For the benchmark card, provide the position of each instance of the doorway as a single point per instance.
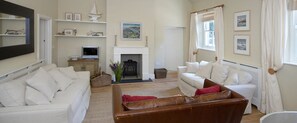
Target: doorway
(44, 37)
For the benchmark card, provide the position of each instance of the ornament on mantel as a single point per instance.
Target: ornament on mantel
(93, 15)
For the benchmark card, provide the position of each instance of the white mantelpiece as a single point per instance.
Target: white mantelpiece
(144, 51)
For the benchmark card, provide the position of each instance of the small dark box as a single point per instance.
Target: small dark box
(160, 73)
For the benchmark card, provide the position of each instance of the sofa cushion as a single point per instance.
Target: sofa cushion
(210, 96)
(34, 97)
(154, 103)
(212, 89)
(12, 93)
(192, 67)
(232, 78)
(74, 93)
(244, 77)
(129, 98)
(44, 83)
(62, 80)
(204, 69)
(69, 72)
(193, 80)
(219, 73)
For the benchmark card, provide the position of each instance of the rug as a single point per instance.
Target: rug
(100, 110)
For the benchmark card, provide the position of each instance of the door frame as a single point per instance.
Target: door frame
(48, 38)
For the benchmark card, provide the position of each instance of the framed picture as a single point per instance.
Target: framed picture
(68, 32)
(68, 16)
(242, 44)
(77, 17)
(242, 21)
(131, 31)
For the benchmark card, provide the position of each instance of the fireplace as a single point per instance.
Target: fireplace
(138, 54)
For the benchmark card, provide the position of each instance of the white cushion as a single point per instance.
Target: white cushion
(62, 80)
(49, 67)
(44, 83)
(204, 69)
(193, 80)
(244, 77)
(12, 93)
(232, 78)
(219, 73)
(34, 97)
(69, 72)
(192, 67)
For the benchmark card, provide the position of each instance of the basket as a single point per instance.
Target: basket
(102, 80)
(160, 73)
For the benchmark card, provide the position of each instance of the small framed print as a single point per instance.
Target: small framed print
(68, 16)
(68, 32)
(242, 21)
(77, 17)
(242, 44)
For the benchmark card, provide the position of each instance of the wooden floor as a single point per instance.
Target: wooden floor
(254, 117)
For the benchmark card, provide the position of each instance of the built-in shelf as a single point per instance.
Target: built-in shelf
(9, 35)
(59, 20)
(16, 19)
(79, 36)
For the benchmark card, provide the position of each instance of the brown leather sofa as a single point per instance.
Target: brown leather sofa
(218, 111)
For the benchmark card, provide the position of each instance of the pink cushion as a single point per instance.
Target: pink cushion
(129, 98)
(212, 89)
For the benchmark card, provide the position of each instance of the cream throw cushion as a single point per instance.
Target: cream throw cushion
(44, 83)
(204, 69)
(34, 97)
(219, 73)
(244, 77)
(69, 72)
(62, 80)
(232, 78)
(12, 93)
(192, 67)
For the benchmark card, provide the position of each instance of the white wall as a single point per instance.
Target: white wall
(285, 76)
(171, 14)
(68, 47)
(130, 11)
(230, 7)
(44, 7)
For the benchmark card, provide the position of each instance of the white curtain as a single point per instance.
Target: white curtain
(273, 36)
(195, 35)
(193, 38)
(219, 33)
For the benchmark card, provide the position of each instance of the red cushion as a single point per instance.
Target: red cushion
(129, 98)
(211, 89)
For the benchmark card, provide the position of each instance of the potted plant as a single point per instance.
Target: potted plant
(117, 68)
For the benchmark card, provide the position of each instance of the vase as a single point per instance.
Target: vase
(118, 78)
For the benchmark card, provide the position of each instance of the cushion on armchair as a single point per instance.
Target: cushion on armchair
(211, 96)
(212, 89)
(129, 98)
(154, 103)
(204, 69)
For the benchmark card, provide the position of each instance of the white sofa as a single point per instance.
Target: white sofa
(67, 106)
(192, 76)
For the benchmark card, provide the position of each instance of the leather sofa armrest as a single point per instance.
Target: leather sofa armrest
(181, 69)
(117, 107)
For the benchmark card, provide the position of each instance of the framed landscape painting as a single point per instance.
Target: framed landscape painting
(242, 44)
(131, 31)
(242, 21)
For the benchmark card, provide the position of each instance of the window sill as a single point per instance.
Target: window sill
(206, 49)
(290, 63)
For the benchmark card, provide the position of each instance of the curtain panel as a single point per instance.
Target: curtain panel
(273, 39)
(219, 33)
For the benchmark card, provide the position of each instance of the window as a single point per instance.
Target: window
(291, 47)
(208, 40)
